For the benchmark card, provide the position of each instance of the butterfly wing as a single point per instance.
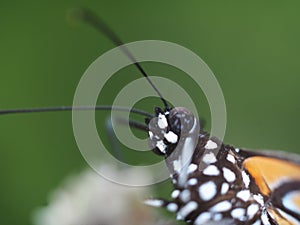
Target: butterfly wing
(277, 175)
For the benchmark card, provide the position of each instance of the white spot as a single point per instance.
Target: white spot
(172, 207)
(175, 193)
(187, 209)
(192, 167)
(252, 210)
(179, 217)
(211, 170)
(229, 175)
(171, 137)
(288, 201)
(208, 190)
(259, 199)
(162, 121)
(209, 158)
(244, 195)
(217, 217)
(161, 146)
(202, 218)
(224, 188)
(154, 202)
(185, 195)
(210, 145)
(237, 150)
(264, 218)
(230, 158)
(192, 181)
(177, 165)
(246, 179)
(150, 134)
(237, 213)
(221, 206)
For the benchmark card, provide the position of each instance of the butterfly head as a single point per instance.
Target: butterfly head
(167, 127)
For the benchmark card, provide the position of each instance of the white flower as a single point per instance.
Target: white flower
(88, 199)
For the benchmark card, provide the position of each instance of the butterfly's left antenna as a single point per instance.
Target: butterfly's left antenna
(94, 20)
(77, 108)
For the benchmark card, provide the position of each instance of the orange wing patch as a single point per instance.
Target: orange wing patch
(268, 173)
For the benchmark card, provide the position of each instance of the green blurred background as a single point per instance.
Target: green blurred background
(253, 49)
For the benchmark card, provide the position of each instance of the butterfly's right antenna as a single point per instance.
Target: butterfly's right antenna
(95, 21)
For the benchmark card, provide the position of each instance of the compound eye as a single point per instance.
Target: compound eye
(181, 120)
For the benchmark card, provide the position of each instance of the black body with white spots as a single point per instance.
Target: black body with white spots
(212, 186)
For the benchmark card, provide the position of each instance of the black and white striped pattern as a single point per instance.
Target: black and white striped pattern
(216, 185)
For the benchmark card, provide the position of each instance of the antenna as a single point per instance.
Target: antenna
(77, 108)
(95, 21)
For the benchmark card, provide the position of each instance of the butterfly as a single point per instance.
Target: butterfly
(224, 184)
(214, 183)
